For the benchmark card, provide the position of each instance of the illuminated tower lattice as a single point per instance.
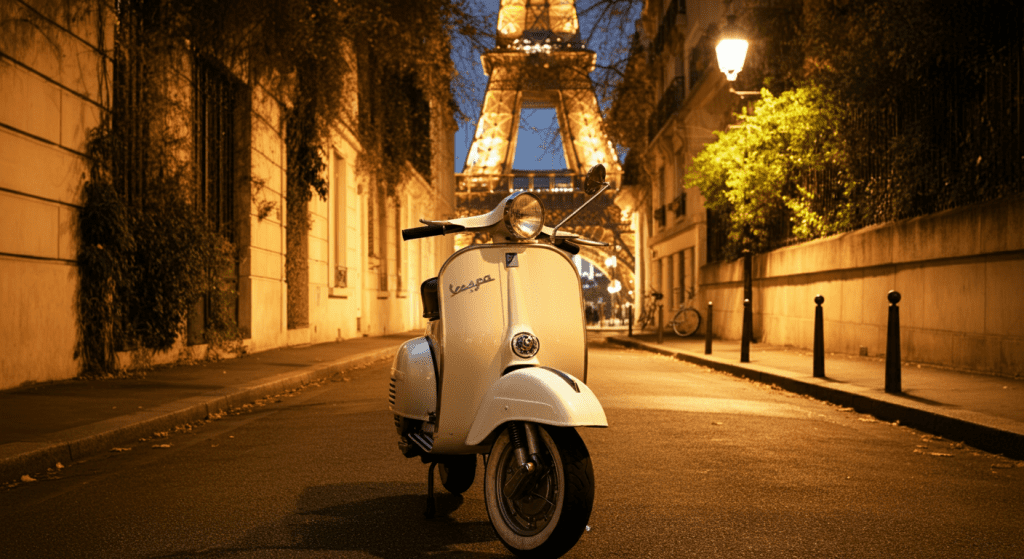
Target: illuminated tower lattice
(539, 62)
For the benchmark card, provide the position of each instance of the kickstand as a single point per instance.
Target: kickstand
(431, 506)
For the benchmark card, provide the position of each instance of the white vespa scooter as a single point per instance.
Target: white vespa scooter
(501, 372)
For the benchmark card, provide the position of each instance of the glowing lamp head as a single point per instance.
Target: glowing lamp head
(731, 50)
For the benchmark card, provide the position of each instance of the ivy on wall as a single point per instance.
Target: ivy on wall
(148, 253)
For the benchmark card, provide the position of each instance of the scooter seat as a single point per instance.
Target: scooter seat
(431, 307)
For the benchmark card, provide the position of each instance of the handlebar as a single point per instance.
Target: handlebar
(568, 246)
(434, 230)
(430, 231)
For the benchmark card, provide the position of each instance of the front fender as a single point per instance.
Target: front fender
(538, 395)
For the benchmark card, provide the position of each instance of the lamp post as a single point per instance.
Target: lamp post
(613, 287)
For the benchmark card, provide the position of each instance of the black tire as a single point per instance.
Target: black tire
(552, 514)
(686, 322)
(458, 472)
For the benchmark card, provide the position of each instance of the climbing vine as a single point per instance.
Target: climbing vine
(149, 252)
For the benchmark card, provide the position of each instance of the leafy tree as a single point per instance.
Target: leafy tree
(929, 91)
(757, 172)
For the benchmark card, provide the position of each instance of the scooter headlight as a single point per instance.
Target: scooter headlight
(524, 215)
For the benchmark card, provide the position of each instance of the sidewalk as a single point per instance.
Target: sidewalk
(986, 412)
(46, 423)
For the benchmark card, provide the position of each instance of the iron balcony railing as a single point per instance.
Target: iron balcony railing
(553, 181)
(670, 102)
(668, 21)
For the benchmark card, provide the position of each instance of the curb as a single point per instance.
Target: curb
(79, 442)
(977, 430)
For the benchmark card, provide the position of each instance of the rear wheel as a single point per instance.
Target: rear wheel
(545, 514)
(458, 473)
(686, 322)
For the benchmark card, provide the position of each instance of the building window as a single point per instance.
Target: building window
(686, 265)
(656, 277)
(215, 145)
(679, 205)
(221, 155)
(340, 222)
(382, 232)
(399, 268)
(681, 277)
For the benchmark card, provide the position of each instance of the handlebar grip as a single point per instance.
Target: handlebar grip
(420, 232)
(429, 231)
(569, 247)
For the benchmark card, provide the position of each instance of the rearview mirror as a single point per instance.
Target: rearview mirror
(594, 180)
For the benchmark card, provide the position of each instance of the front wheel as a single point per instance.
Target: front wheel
(686, 322)
(545, 514)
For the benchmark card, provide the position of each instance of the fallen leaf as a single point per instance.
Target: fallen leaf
(27, 478)
(59, 466)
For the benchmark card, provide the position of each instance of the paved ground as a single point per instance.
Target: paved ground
(43, 424)
(981, 410)
(695, 463)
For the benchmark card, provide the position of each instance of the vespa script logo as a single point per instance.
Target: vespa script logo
(471, 286)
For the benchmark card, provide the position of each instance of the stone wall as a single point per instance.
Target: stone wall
(53, 90)
(959, 273)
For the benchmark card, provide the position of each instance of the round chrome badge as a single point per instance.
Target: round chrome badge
(525, 345)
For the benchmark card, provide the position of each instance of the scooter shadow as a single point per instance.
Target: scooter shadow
(383, 520)
(386, 520)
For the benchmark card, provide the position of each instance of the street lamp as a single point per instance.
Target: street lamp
(731, 49)
(732, 52)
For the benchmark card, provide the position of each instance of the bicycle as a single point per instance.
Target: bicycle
(649, 311)
(684, 323)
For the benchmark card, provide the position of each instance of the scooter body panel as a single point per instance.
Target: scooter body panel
(413, 391)
(539, 395)
(489, 294)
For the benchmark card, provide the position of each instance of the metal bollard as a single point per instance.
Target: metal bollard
(748, 332)
(893, 384)
(661, 324)
(819, 338)
(631, 321)
(707, 331)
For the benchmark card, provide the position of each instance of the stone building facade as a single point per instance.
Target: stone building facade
(56, 86)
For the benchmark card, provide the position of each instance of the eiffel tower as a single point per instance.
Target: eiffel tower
(540, 62)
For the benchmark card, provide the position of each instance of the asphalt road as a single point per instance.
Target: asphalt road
(695, 464)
